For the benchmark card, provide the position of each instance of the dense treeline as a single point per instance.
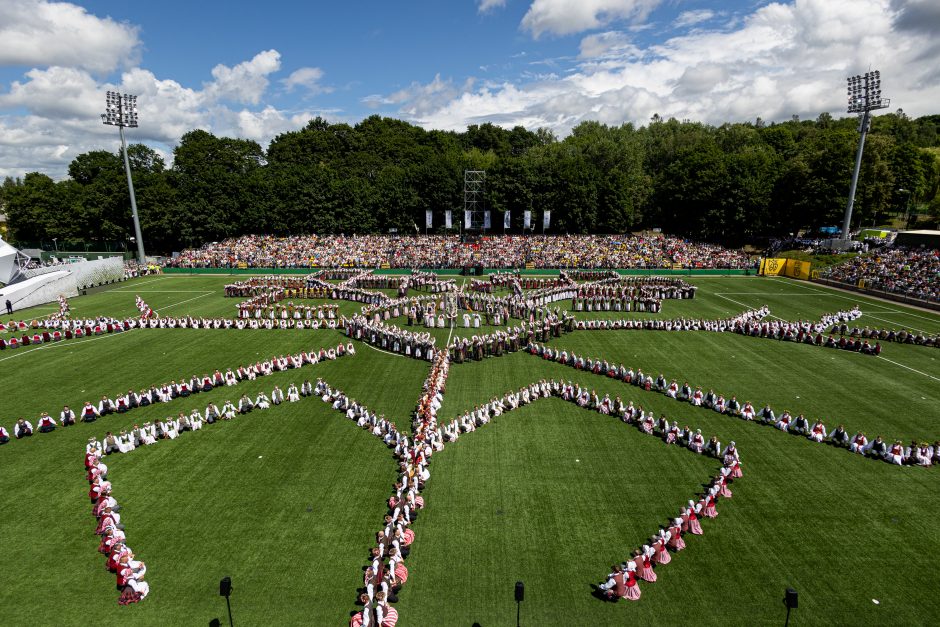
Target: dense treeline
(736, 180)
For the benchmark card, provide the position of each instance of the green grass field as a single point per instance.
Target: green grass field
(287, 501)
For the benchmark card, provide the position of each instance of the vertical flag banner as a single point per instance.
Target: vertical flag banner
(546, 219)
(428, 218)
(466, 219)
(486, 219)
(506, 220)
(448, 219)
(528, 219)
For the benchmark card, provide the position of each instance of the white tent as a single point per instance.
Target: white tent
(12, 264)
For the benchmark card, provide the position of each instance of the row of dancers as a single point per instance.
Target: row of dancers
(622, 582)
(171, 428)
(120, 560)
(386, 572)
(125, 402)
(917, 453)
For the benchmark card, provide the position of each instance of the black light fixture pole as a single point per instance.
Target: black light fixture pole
(791, 600)
(225, 590)
(121, 111)
(520, 595)
(864, 96)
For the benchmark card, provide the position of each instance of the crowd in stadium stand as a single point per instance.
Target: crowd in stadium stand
(133, 269)
(449, 251)
(905, 271)
(820, 245)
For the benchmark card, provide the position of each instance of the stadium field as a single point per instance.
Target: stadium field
(287, 501)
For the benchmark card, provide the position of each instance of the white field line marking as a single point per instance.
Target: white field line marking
(892, 313)
(185, 301)
(705, 278)
(215, 275)
(737, 302)
(868, 315)
(162, 291)
(764, 294)
(41, 308)
(381, 351)
(867, 303)
(909, 368)
(150, 281)
(63, 343)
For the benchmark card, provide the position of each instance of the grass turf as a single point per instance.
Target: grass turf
(841, 529)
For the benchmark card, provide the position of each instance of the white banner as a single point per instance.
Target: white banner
(486, 220)
(546, 219)
(466, 219)
(506, 220)
(528, 219)
(428, 218)
(447, 219)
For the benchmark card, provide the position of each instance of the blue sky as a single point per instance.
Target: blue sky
(258, 69)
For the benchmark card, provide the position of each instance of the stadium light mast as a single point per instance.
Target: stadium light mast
(864, 95)
(120, 111)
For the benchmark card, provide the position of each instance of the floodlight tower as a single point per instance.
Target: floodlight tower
(864, 97)
(121, 111)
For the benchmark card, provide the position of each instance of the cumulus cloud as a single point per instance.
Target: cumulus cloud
(37, 33)
(307, 79)
(604, 44)
(247, 81)
(56, 92)
(565, 17)
(64, 104)
(779, 60)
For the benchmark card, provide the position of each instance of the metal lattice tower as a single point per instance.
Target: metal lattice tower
(474, 191)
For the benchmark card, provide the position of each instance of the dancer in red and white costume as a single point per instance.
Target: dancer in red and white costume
(818, 432)
(644, 560)
(859, 443)
(632, 585)
(895, 453)
(691, 515)
(676, 542)
(660, 541)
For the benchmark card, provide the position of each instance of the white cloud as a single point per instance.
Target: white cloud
(247, 81)
(780, 60)
(691, 18)
(418, 100)
(37, 33)
(63, 107)
(57, 92)
(307, 78)
(604, 44)
(564, 17)
(484, 6)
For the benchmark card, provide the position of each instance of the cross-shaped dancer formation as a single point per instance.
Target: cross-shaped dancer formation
(528, 309)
